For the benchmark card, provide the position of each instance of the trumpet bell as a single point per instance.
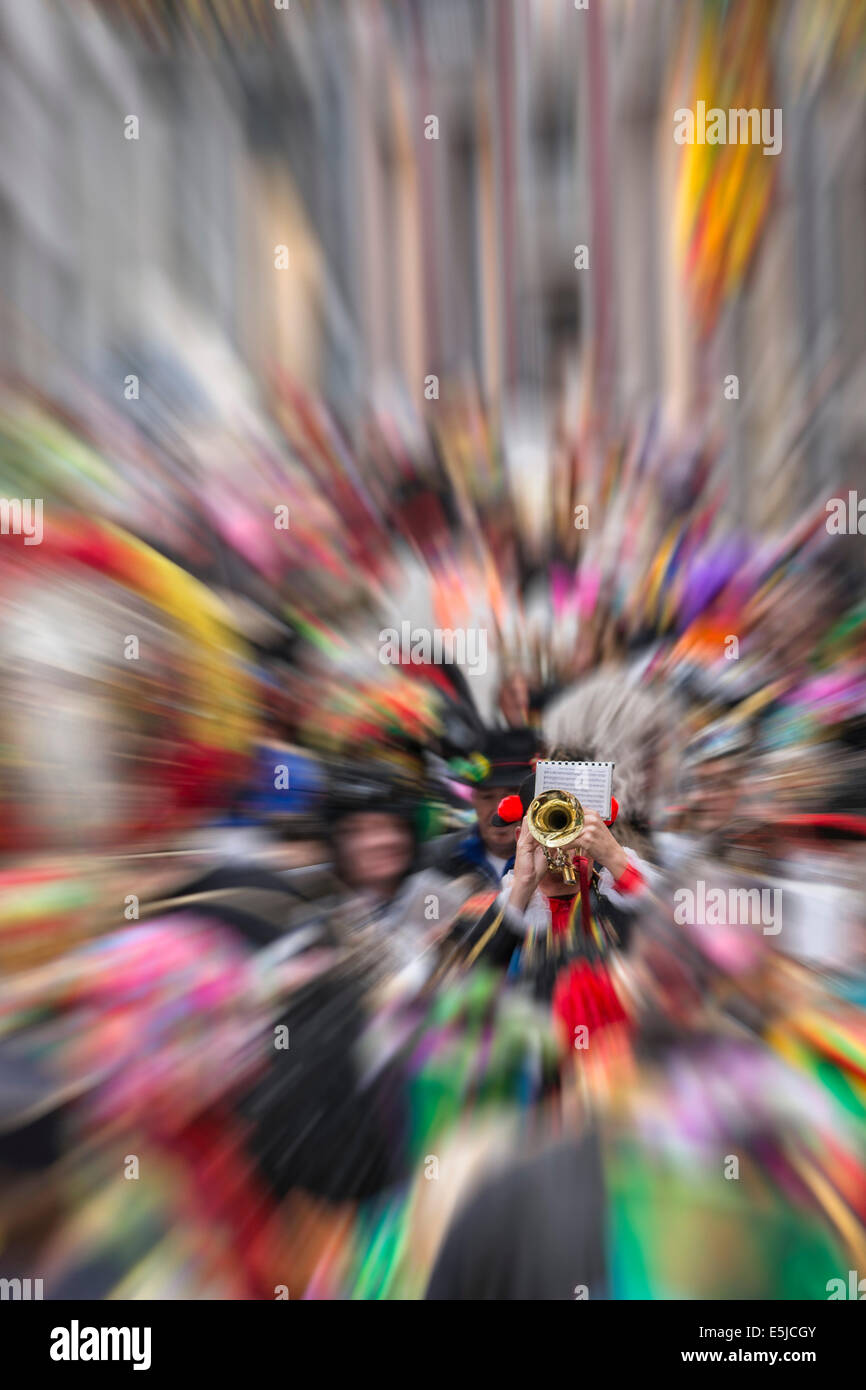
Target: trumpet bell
(555, 818)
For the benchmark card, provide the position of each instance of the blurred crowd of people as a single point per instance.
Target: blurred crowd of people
(289, 983)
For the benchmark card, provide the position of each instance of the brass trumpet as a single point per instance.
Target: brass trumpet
(555, 818)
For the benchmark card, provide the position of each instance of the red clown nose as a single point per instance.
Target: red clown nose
(510, 809)
(614, 810)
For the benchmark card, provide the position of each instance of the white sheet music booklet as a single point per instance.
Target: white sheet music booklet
(589, 782)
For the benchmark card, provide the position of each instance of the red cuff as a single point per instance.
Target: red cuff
(630, 881)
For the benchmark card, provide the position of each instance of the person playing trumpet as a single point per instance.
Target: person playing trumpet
(538, 903)
(534, 894)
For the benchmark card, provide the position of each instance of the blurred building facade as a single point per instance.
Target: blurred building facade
(431, 170)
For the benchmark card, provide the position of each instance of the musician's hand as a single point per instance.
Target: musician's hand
(530, 866)
(596, 842)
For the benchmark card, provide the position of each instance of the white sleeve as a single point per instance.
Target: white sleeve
(628, 902)
(536, 914)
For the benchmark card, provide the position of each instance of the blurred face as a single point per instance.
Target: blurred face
(553, 885)
(498, 840)
(716, 794)
(514, 699)
(375, 849)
